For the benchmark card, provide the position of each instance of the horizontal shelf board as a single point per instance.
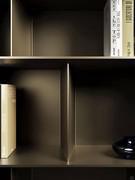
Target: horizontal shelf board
(59, 62)
(64, 57)
(32, 158)
(98, 156)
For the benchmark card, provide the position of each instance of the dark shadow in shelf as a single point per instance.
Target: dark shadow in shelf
(5, 173)
(79, 173)
(5, 28)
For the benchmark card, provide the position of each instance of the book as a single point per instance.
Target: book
(128, 28)
(113, 28)
(8, 119)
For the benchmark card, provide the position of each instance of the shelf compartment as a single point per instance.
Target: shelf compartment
(104, 111)
(39, 109)
(47, 32)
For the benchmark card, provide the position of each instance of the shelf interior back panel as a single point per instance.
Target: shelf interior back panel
(46, 32)
(105, 103)
(36, 101)
(68, 33)
(21, 30)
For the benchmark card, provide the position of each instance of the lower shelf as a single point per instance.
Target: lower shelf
(33, 158)
(98, 156)
(82, 156)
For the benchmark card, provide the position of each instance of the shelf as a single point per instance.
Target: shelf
(60, 61)
(66, 57)
(82, 156)
(97, 156)
(22, 157)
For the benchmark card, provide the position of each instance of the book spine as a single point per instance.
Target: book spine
(4, 120)
(116, 27)
(128, 27)
(107, 29)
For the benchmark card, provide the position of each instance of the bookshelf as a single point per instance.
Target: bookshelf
(72, 102)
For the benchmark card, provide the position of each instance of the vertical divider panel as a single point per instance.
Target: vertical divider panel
(68, 113)
(64, 138)
(71, 113)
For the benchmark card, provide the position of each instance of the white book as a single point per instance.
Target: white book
(8, 119)
(128, 28)
(113, 28)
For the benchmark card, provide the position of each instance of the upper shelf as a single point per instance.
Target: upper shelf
(60, 61)
(76, 63)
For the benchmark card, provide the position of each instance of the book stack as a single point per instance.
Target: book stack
(119, 28)
(8, 119)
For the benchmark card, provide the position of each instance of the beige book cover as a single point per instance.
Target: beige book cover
(128, 28)
(8, 120)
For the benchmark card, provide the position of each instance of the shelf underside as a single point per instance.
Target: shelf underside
(98, 156)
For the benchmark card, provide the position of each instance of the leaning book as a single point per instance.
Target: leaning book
(113, 34)
(8, 119)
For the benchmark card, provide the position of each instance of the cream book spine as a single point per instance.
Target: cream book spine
(113, 28)
(8, 120)
(128, 28)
